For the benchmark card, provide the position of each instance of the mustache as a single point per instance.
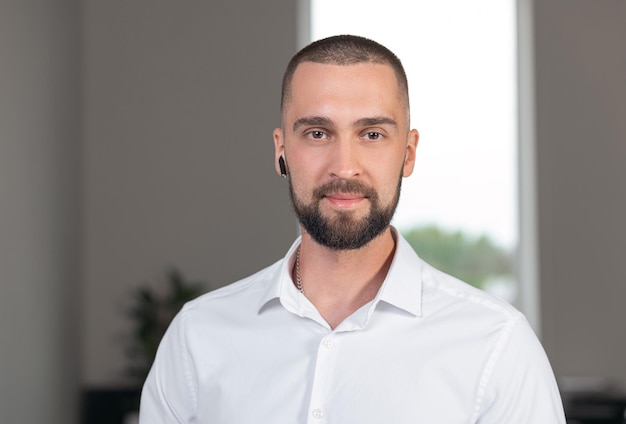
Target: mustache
(345, 186)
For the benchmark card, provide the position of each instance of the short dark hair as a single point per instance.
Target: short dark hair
(344, 50)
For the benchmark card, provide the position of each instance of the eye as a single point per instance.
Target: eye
(373, 135)
(317, 135)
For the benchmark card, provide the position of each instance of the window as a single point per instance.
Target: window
(460, 207)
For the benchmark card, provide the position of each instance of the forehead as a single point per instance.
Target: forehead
(327, 88)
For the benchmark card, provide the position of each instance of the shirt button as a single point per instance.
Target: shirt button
(318, 413)
(328, 344)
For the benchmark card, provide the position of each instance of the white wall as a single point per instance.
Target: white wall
(581, 149)
(180, 103)
(39, 211)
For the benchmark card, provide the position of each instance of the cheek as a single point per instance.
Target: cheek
(300, 189)
(390, 178)
(304, 173)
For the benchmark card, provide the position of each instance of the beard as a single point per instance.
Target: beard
(344, 231)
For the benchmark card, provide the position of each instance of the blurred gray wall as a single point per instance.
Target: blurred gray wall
(180, 100)
(580, 96)
(40, 210)
(136, 135)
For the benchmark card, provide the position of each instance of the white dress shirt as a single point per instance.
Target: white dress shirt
(429, 349)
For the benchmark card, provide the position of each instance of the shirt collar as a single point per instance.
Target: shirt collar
(402, 287)
(282, 286)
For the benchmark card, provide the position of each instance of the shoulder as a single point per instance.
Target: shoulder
(515, 369)
(446, 295)
(239, 296)
(441, 292)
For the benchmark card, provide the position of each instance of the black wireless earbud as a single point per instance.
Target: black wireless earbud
(283, 167)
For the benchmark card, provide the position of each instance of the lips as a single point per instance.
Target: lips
(345, 196)
(344, 191)
(344, 200)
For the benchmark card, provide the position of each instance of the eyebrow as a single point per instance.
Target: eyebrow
(315, 121)
(323, 121)
(376, 120)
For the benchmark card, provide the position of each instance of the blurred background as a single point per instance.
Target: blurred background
(136, 170)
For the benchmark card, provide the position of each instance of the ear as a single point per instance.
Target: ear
(279, 148)
(409, 159)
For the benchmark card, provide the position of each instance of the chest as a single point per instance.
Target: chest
(397, 373)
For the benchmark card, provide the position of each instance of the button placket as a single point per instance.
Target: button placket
(324, 369)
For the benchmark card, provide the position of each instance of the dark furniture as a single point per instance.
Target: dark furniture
(595, 409)
(108, 406)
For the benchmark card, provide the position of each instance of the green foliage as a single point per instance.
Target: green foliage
(474, 260)
(152, 312)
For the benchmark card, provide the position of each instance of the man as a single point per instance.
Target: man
(351, 327)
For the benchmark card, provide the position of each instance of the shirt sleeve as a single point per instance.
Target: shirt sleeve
(169, 393)
(521, 388)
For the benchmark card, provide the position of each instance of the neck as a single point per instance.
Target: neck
(340, 282)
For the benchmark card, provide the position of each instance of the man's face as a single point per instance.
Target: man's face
(346, 142)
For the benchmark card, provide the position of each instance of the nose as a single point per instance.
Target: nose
(345, 161)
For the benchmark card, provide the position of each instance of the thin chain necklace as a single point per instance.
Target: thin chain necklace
(298, 277)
